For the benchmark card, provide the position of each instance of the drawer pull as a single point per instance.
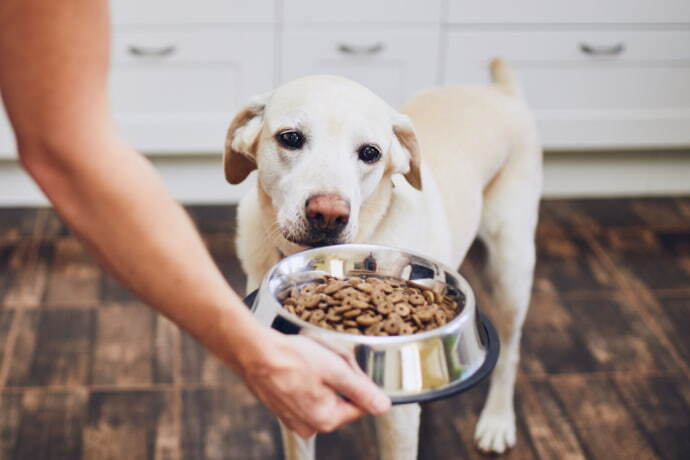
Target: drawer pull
(361, 50)
(151, 52)
(613, 50)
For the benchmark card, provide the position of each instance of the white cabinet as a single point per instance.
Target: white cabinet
(175, 91)
(7, 146)
(394, 62)
(595, 87)
(599, 74)
(127, 12)
(362, 11)
(562, 12)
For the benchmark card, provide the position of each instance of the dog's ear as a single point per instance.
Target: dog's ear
(239, 158)
(405, 152)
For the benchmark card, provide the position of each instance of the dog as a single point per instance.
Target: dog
(336, 164)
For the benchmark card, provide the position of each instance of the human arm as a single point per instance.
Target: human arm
(54, 60)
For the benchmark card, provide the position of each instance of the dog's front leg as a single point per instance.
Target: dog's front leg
(296, 447)
(398, 432)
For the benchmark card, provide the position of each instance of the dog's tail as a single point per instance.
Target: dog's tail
(503, 78)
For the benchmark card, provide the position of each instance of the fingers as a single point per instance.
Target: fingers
(302, 429)
(359, 389)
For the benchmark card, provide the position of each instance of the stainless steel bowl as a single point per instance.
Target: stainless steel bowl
(411, 368)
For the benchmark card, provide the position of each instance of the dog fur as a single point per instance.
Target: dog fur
(458, 163)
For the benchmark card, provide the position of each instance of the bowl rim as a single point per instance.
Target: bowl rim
(468, 313)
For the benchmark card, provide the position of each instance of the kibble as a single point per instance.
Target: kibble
(370, 305)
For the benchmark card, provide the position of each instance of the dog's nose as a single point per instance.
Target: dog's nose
(327, 213)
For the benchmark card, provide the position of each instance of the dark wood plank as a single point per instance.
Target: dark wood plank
(551, 431)
(222, 249)
(602, 421)
(673, 315)
(660, 213)
(566, 260)
(356, 440)
(20, 361)
(618, 336)
(123, 346)
(54, 348)
(214, 218)
(51, 425)
(608, 212)
(447, 429)
(660, 411)
(224, 424)
(75, 277)
(112, 291)
(551, 340)
(198, 366)
(26, 274)
(10, 416)
(167, 356)
(128, 424)
(660, 260)
(6, 321)
(17, 221)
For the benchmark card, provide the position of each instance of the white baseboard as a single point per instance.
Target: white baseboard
(195, 179)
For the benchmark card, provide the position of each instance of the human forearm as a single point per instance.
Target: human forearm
(119, 207)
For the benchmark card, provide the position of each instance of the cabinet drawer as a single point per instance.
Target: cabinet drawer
(638, 98)
(394, 62)
(573, 46)
(568, 12)
(362, 11)
(183, 100)
(185, 12)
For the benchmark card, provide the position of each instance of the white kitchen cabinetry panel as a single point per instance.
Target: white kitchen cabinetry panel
(362, 11)
(568, 11)
(7, 146)
(189, 12)
(176, 91)
(394, 62)
(635, 97)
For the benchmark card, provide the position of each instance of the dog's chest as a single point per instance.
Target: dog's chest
(415, 221)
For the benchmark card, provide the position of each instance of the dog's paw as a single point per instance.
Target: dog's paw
(495, 432)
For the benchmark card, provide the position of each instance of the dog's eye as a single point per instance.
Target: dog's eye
(369, 154)
(291, 139)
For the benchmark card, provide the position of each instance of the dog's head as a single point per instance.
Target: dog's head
(322, 146)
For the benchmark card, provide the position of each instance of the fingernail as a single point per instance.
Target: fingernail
(381, 402)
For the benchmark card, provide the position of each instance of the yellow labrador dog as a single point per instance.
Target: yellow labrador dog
(336, 164)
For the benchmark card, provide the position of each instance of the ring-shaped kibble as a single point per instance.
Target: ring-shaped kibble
(367, 319)
(318, 315)
(416, 299)
(403, 309)
(385, 308)
(352, 313)
(391, 326)
(406, 329)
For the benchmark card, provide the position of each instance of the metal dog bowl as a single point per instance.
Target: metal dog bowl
(411, 368)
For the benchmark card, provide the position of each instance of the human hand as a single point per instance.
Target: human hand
(301, 381)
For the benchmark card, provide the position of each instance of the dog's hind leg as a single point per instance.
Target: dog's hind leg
(296, 447)
(398, 432)
(508, 225)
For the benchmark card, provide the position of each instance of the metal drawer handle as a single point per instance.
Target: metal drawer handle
(361, 50)
(152, 52)
(613, 50)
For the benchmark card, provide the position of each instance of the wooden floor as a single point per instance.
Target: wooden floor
(87, 371)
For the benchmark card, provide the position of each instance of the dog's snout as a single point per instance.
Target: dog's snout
(329, 213)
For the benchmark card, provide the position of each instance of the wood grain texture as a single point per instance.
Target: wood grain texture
(89, 372)
(74, 276)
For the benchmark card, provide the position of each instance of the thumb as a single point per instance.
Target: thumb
(359, 389)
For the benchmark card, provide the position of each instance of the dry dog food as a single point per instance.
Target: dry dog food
(369, 305)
